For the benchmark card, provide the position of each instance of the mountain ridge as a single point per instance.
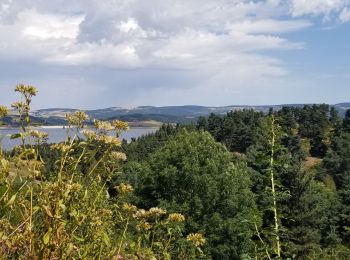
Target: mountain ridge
(161, 114)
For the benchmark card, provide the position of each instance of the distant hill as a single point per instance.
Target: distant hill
(166, 114)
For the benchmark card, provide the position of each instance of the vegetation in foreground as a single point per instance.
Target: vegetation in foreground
(67, 207)
(246, 185)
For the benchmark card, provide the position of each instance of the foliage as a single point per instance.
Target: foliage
(194, 175)
(67, 211)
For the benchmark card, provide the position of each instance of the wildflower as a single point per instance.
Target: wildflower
(144, 225)
(3, 111)
(176, 217)
(105, 212)
(26, 90)
(157, 212)
(140, 214)
(129, 208)
(103, 126)
(20, 106)
(77, 118)
(4, 165)
(109, 140)
(196, 238)
(120, 125)
(38, 135)
(118, 156)
(124, 188)
(60, 147)
(89, 134)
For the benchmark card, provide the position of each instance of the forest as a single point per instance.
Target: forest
(244, 185)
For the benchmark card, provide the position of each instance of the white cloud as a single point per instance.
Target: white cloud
(345, 15)
(270, 26)
(49, 26)
(317, 7)
(210, 44)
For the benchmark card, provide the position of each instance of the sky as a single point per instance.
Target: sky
(125, 53)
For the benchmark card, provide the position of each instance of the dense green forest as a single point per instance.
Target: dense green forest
(245, 185)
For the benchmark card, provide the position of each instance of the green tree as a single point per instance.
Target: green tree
(346, 122)
(194, 175)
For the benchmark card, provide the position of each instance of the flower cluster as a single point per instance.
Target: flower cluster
(78, 118)
(20, 106)
(124, 188)
(156, 212)
(40, 136)
(117, 156)
(120, 125)
(196, 238)
(103, 126)
(89, 134)
(176, 217)
(129, 208)
(61, 147)
(3, 111)
(26, 90)
(110, 140)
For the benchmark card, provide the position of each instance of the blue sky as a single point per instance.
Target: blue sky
(93, 54)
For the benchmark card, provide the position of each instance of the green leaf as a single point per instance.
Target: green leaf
(106, 239)
(79, 238)
(69, 249)
(10, 202)
(47, 236)
(15, 136)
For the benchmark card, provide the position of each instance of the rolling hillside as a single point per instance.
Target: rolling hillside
(166, 114)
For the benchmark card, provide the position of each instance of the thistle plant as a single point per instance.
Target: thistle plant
(68, 212)
(3, 113)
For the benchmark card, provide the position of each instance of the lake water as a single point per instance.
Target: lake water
(58, 134)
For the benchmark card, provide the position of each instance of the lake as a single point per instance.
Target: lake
(58, 134)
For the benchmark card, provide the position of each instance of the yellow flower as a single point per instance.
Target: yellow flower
(60, 147)
(110, 140)
(118, 156)
(21, 106)
(129, 207)
(144, 225)
(103, 126)
(124, 188)
(89, 134)
(38, 135)
(26, 89)
(140, 214)
(78, 118)
(176, 217)
(196, 238)
(156, 212)
(120, 125)
(3, 111)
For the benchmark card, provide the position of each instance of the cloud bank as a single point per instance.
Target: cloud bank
(95, 53)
